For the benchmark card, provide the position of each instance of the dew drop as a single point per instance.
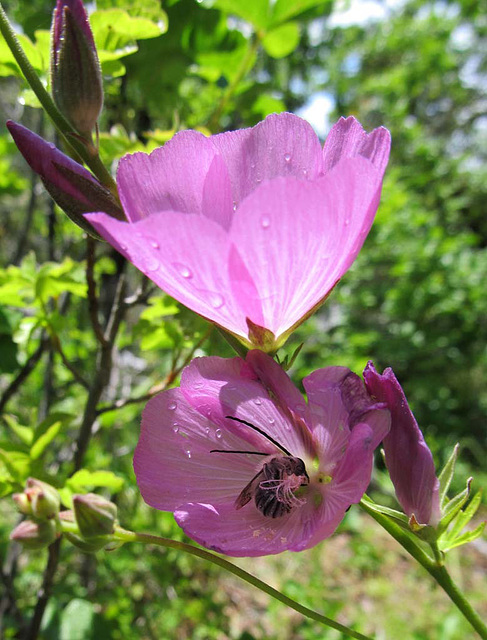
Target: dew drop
(172, 406)
(188, 453)
(287, 157)
(265, 222)
(197, 385)
(305, 172)
(175, 427)
(152, 264)
(271, 421)
(207, 431)
(216, 300)
(258, 402)
(183, 270)
(154, 244)
(347, 222)
(123, 247)
(258, 179)
(218, 433)
(234, 206)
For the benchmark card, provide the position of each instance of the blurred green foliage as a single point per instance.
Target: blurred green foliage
(414, 300)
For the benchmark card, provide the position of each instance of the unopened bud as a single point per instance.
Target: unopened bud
(22, 503)
(35, 535)
(69, 184)
(44, 499)
(94, 515)
(75, 69)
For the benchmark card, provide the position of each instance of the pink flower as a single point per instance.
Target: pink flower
(251, 228)
(245, 465)
(408, 457)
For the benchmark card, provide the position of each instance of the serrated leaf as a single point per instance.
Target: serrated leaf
(468, 536)
(446, 475)
(282, 40)
(25, 434)
(84, 480)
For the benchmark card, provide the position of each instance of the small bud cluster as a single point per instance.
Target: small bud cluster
(93, 518)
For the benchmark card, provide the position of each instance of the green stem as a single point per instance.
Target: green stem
(236, 345)
(123, 535)
(433, 566)
(91, 159)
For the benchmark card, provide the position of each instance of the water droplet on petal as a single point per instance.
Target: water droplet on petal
(152, 264)
(271, 421)
(258, 401)
(347, 222)
(258, 179)
(183, 270)
(234, 206)
(207, 431)
(218, 433)
(216, 300)
(287, 157)
(123, 247)
(188, 452)
(154, 244)
(305, 172)
(197, 385)
(265, 222)
(175, 427)
(172, 406)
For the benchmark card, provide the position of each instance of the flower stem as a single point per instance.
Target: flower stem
(433, 566)
(92, 160)
(122, 535)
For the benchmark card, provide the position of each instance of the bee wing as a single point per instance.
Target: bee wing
(245, 496)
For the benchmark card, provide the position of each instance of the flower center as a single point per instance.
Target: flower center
(279, 480)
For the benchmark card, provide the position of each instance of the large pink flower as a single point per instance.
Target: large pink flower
(277, 474)
(253, 225)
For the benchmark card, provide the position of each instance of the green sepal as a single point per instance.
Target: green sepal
(423, 531)
(260, 337)
(453, 507)
(88, 545)
(446, 476)
(450, 543)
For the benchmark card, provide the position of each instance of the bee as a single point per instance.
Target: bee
(273, 486)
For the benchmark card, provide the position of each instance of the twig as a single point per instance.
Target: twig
(7, 575)
(76, 374)
(142, 294)
(102, 375)
(45, 591)
(92, 296)
(24, 373)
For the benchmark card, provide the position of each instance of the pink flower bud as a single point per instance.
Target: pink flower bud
(94, 515)
(35, 535)
(75, 70)
(70, 185)
(44, 499)
(408, 457)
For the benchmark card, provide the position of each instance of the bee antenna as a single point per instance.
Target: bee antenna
(262, 433)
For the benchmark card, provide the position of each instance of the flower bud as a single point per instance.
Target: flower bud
(44, 499)
(88, 545)
(75, 70)
(70, 185)
(94, 515)
(35, 535)
(22, 503)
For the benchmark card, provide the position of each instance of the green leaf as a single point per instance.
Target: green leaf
(54, 279)
(282, 40)
(16, 462)
(453, 507)
(25, 434)
(45, 440)
(463, 517)
(150, 9)
(254, 11)
(77, 620)
(84, 480)
(159, 308)
(285, 9)
(446, 475)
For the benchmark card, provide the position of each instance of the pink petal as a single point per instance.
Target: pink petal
(329, 416)
(185, 255)
(218, 387)
(408, 457)
(246, 532)
(281, 145)
(347, 139)
(217, 193)
(173, 463)
(298, 238)
(171, 178)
